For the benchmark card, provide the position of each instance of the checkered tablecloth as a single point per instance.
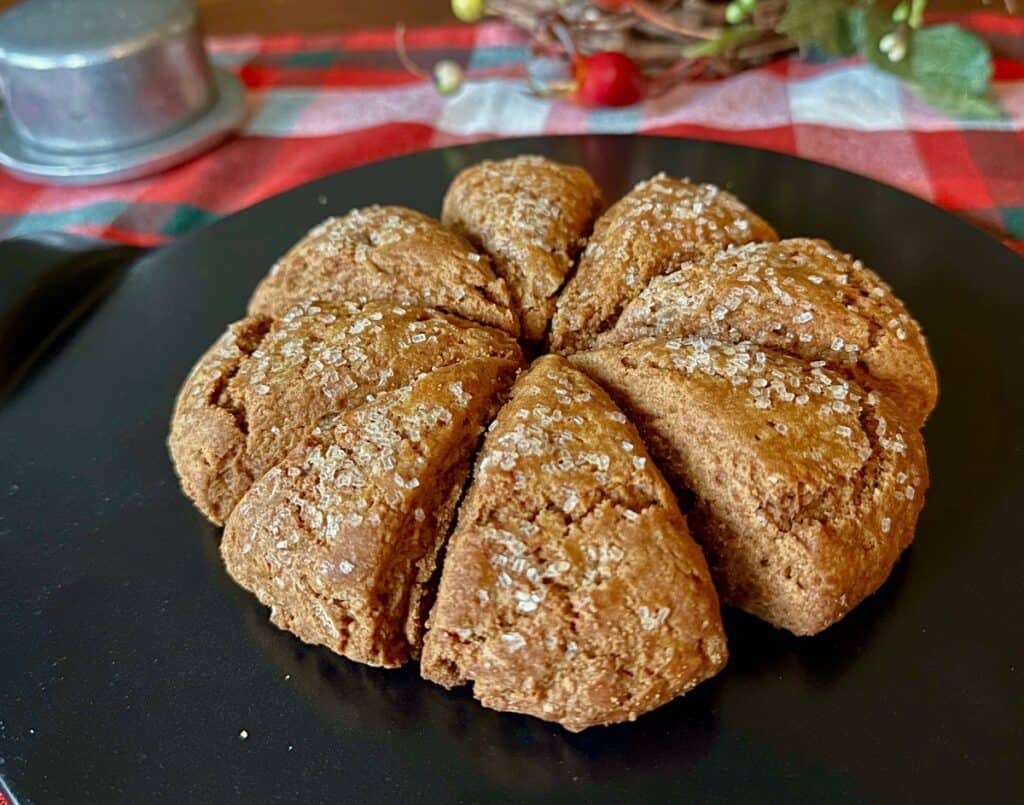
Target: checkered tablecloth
(327, 102)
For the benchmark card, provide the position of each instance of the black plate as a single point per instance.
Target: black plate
(129, 662)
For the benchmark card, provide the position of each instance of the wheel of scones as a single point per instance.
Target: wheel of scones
(397, 483)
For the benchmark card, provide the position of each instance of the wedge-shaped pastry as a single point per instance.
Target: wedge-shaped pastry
(659, 224)
(341, 538)
(260, 388)
(807, 488)
(532, 216)
(393, 254)
(800, 296)
(571, 590)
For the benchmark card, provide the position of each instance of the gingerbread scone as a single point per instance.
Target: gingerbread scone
(341, 538)
(393, 254)
(532, 216)
(807, 487)
(659, 224)
(799, 296)
(256, 393)
(571, 590)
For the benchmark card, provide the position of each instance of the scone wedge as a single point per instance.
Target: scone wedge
(341, 538)
(532, 216)
(659, 224)
(259, 389)
(391, 254)
(799, 296)
(806, 487)
(572, 590)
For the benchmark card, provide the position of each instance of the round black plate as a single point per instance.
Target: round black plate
(130, 663)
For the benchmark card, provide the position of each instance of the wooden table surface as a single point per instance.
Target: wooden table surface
(271, 16)
(281, 16)
(300, 16)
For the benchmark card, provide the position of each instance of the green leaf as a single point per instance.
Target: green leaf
(948, 57)
(729, 38)
(822, 23)
(960, 104)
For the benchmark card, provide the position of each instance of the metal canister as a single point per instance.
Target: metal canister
(97, 90)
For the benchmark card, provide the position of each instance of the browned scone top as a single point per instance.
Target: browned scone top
(393, 254)
(659, 224)
(807, 487)
(800, 296)
(532, 216)
(572, 590)
(341, 538)
(261, 387)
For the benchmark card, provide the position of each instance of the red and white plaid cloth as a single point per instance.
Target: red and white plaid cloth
(327, 102)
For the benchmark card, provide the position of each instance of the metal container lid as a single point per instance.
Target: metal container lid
(99, 90)
(46, 34)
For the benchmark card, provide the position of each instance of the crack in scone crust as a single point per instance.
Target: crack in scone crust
(210, 423)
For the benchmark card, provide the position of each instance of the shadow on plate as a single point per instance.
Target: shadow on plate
(516, 752)
(525, 754)
(758, 649)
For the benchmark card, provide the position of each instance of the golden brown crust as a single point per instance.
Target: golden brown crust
(799, 296)
(571, 589)
(245, 405)
(659, 224)
(532, 216)
(808, 488)
(341, 538)
(391, 254)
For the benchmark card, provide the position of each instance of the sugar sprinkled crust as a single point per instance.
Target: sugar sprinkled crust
(256, 393)
(807, 487)
(393, 254)
(800, 296)
(571, 590)
(658, 224)
(532, 216)
(341, 538)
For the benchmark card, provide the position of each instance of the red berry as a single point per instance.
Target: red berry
(611, 5)
(608, 78)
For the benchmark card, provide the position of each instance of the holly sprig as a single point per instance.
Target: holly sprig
(663, 41)
(946, 65)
